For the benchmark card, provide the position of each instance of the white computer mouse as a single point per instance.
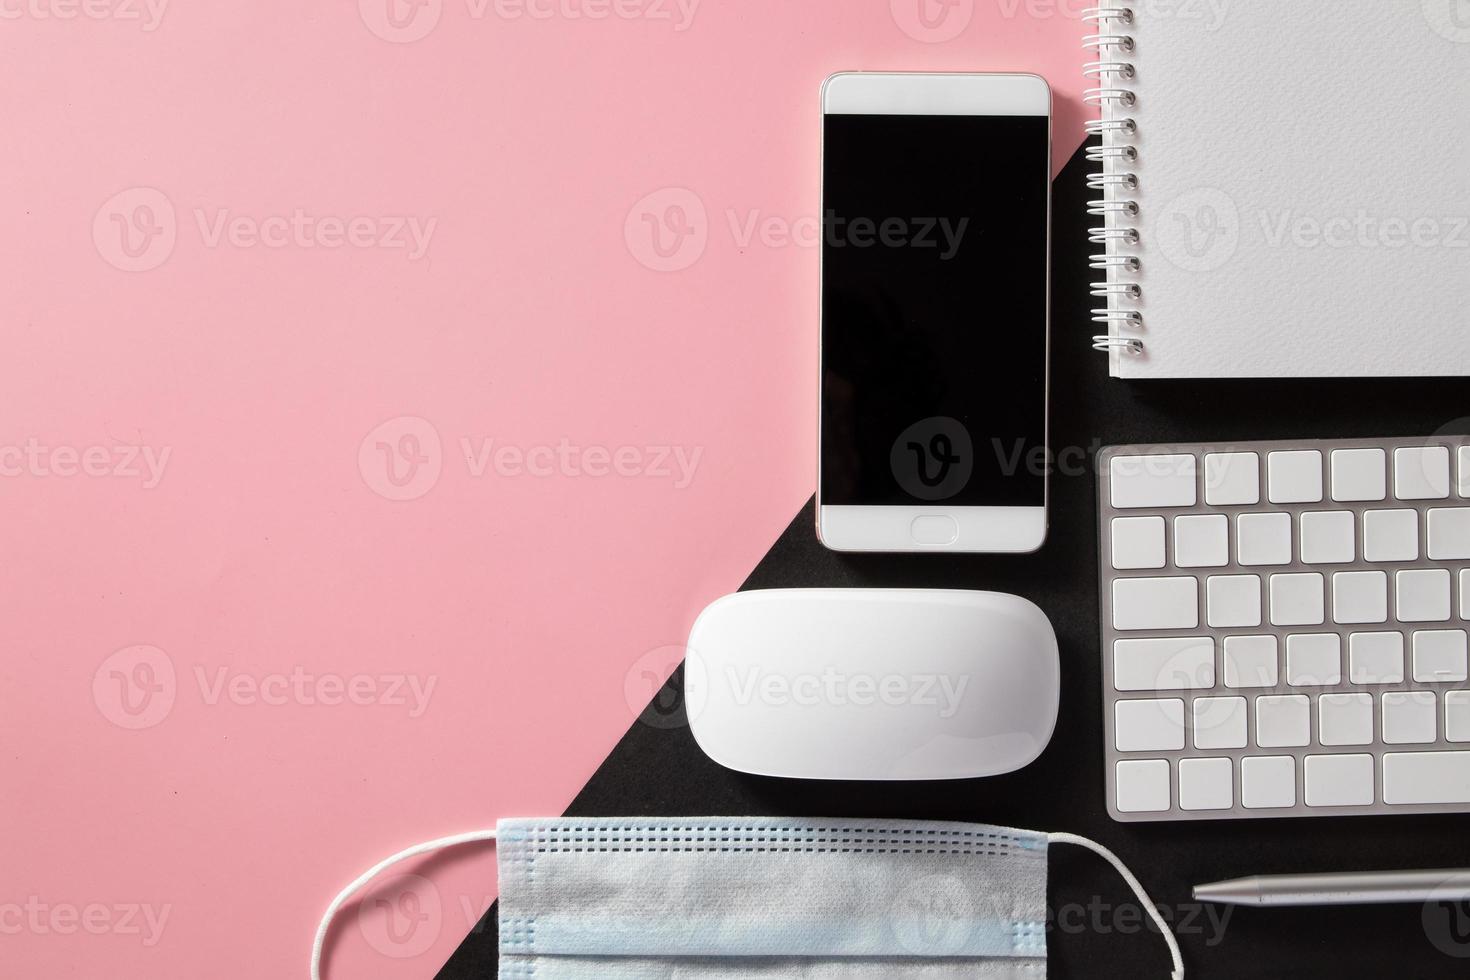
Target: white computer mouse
(868, 684)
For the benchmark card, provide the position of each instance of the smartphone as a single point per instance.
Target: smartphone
(935, 319)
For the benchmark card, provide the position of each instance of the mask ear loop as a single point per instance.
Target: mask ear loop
(1148, 903)
(366, 877)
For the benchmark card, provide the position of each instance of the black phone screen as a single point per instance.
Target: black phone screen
(934, 308)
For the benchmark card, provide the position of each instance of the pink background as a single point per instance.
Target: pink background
(266, 553)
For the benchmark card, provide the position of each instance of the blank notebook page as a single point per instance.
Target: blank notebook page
(1304, 188)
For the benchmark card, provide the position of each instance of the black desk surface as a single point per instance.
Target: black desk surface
(657, 769)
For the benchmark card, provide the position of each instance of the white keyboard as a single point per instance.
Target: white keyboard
(1284, 628)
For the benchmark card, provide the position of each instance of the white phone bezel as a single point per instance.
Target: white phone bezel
(988, 530)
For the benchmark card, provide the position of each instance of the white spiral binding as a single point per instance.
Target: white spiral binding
(1112, 71)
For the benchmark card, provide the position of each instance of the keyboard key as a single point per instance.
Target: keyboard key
(1154, 481)
(1426, 777)
(1339, 780)
(1449, 534)
(1440, 656)
(1206, 784)
(1250, 661)
(1297, 600)
(1143, 786)
(1283, 722)
(1234, 601)
(1391, 535)
(1203, 541)
(1329, 537)
(1409, 717)
(1377, 658)
(1233, 479)
(1268, 782)
(1465, 594)
(1172, 664)
(1465, 471)
(1457, 716)
(1219, 723)
(1263, 539)
(1138, 542)
(1314, 660)
(1360, 597)
(1149, 726)
(1425, 595)
(1295, 477)
(1345, 719)
(1156, 604)
(1422, 473)
(1359, 475)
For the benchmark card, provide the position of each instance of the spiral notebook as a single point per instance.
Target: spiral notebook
(1282, 187)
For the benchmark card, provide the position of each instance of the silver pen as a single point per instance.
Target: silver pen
(1352, 888)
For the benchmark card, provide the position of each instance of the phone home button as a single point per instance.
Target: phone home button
(934, 530)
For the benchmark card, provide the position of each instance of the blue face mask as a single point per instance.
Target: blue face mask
(727, 898)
